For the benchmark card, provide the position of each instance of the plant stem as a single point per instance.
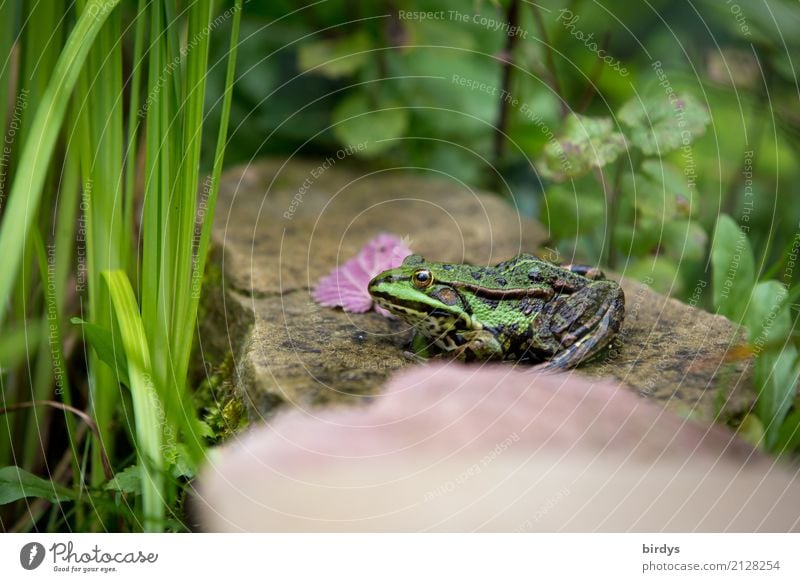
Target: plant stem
(591, 87)
(612, 201)
(549, 56)
(512, 18)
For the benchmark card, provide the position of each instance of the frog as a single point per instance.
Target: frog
(523, 309)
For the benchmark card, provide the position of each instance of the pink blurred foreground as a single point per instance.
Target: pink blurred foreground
(449, 447)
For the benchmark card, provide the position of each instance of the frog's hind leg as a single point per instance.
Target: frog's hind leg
(592, 336)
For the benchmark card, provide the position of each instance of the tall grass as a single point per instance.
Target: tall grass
(97, 146)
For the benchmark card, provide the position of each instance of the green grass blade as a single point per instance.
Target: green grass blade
(15, 343)
(147, 408)
(7, 37)
(201, 252)
(131, 157)
(37, 151)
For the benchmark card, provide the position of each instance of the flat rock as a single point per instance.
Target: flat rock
(280, 226)
(456, 448)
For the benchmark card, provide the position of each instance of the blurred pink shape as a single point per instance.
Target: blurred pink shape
(346, 286)
(449, 447)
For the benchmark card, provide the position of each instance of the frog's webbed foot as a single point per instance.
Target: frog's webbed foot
(481, 345)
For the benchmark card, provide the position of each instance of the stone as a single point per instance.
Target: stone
(281, 225)
(681, 356)
(446, 447)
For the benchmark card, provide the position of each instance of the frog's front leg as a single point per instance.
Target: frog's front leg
(480, 345)
(419, 348)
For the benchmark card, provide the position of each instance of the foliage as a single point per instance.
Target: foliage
(763, 308)
(127, 141)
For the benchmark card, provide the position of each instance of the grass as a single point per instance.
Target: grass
(132, 287)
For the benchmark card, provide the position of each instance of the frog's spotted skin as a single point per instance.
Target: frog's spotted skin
(521, 309)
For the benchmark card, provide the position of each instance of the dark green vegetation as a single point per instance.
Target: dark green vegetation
(105, 256)
(658, 139)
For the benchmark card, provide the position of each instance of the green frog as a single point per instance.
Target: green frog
(521, 309)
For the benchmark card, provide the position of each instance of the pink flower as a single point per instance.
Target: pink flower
(346, 286)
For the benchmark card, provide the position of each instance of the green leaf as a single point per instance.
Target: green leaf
(776, 377)
(335, 58)
(672, 185)
(583, 143)
(147, 408)
(16, 483)
(751, 430)
(183, 466)
(569, 213)
(108, 348)
(660, 273)
(639, 240)
(364, 131)
(650, 198)
(768, 315)
(26, 191)
(661, 124)
(788, 439)
(684, 240)
(733, 269)
(129, 480)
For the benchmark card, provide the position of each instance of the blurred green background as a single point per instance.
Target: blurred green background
(316, 78)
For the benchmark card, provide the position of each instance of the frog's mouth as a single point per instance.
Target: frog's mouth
(419, 311)
(408, 308)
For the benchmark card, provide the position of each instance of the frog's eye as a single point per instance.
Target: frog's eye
(422, 278)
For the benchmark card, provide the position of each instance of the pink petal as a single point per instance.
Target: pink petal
(346, 286)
